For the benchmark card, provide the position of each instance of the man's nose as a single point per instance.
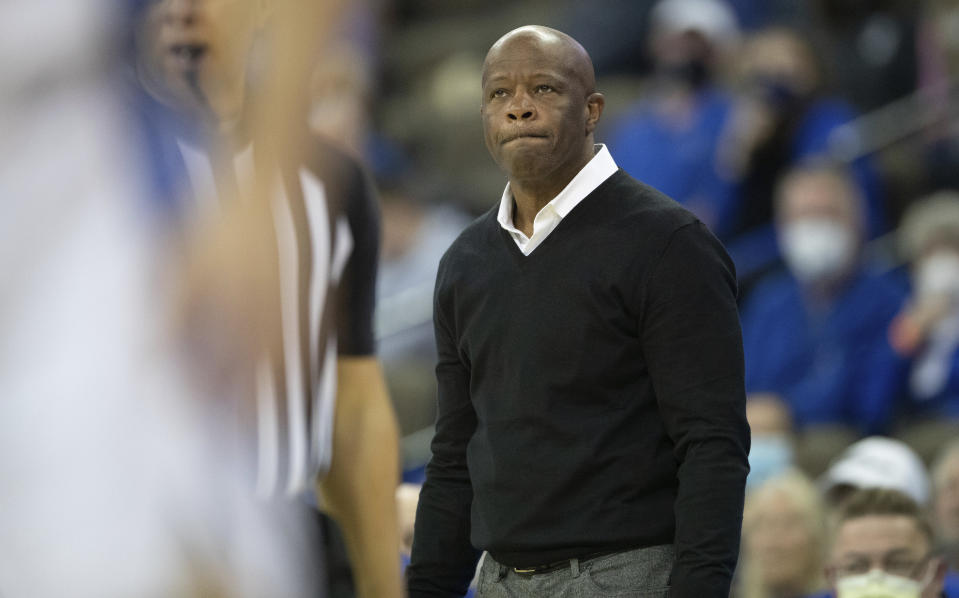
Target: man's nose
(521, 108)
(183, 12)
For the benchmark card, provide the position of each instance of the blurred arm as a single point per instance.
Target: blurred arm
(360, 488)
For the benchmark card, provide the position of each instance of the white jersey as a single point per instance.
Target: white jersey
(113, 480)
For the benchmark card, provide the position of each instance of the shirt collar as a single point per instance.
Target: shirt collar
(597, 170)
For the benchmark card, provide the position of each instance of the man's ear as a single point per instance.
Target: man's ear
(595, 102)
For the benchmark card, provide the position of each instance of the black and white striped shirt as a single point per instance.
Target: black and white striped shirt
(327, 228)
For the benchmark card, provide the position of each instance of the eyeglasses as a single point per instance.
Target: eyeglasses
(896, 564)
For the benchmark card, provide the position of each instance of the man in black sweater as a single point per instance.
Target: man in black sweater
(591, 433)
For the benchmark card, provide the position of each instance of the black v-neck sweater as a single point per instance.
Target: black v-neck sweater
(590, 396)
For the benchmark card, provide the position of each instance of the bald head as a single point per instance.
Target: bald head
(535, 40)
(540, 108)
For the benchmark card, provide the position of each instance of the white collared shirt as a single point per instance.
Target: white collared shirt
(597, 170)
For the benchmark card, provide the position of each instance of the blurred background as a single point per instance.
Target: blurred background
(818, 139)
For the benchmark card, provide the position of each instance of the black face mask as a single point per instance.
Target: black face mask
(693, 73)
(775, 93)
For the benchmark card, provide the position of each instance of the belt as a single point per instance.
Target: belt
(557, 565)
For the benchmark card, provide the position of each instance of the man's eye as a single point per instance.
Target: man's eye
(544, 88)
(854, 568)
(904, 568)
(499, 93)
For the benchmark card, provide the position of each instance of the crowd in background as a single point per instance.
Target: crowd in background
(818, 140)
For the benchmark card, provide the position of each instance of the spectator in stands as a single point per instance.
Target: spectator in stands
(669, 139)
(945, 501)
(815, 335)
(784, 537)
(782, 117)
(927, 329)
(938, 57)
(876, 462)
(772, 450)
(883, 546)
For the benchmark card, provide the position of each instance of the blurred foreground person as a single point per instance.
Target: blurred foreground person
(784, 539)
(883, 546)
(591, 432)
(816, 334)
(119, 478)
(322, 414)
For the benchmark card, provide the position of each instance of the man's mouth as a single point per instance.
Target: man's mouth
(527, 135)
(189, 55)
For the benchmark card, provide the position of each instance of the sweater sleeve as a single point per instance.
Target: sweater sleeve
(692, 341)
(443, 560)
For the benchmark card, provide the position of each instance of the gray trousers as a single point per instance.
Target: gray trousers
(642, 572)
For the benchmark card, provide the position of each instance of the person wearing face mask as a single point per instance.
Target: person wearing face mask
(883, 548)
(772, 450)
(815, 335)
(669, 139)
(927, 329)
(782, 116)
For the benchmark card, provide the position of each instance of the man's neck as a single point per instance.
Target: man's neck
(220, 103)
(529, 200)
(531, 195)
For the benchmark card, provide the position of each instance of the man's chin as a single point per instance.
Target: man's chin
(526, 164)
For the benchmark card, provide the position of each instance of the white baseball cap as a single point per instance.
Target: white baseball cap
(879, 462)
(712, 18)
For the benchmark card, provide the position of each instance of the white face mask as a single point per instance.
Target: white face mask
(938, 274)
(877, 584)
(817, 248)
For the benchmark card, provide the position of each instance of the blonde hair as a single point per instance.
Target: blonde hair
(802, 493)
(932, 218)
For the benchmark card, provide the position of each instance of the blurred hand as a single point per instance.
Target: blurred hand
(912, 326)
(228, 303)
(751, 123)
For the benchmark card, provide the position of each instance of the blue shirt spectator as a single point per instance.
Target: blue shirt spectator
(928, 328)
(830, 362)
(679, 158)
(817, 335)
(669, 139)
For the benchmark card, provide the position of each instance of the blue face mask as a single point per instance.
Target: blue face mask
(769, 455)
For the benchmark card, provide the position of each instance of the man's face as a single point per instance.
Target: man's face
(536, 114)
(819, 196)
(890, 543)
(818, 228)
(206, 40)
